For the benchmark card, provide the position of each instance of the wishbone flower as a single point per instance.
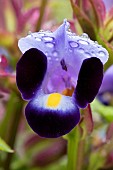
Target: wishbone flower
(51, 63)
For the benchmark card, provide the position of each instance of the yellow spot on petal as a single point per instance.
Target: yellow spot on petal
(53, 100)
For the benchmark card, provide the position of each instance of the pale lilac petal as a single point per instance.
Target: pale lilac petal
(63, 45)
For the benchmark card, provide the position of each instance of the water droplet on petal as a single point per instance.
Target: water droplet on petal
(48, 31)
(49, 58)
(70, 50)
(93, 53)
(83, 42)
(102, 53)
(46, 53)
(81, 50)
(56, 58)
(47, 38)
(38, 39)
(55, 53)
(73, 44)
(30, 33)
(84, 35)
(87, 54)
(49, 44)
(41, 32)
(96, 42)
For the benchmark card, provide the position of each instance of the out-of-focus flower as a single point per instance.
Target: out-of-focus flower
(5, 68)
(51, 63)
(108, 4)
(105, 94)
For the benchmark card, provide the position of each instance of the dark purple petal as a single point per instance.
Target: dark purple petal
(30, 72)
(51, 122)
(89, 81)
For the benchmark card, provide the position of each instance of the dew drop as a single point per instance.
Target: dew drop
(96, 42)
(73, 44)
(41, 33)
(46, 53)
(93, 53)
(47, 38)
(56, 58)
(70, 50)
(84, 35)
(48, 31)
(83, 42)
(81, 50)
(102, 53)
(87, 54)
(69, 33)
(49, 58)
(55, 53)
(49, 44)
(30, 33)
(38, 39)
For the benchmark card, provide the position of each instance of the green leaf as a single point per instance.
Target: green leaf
(86, 24)
(5, 147)
(96, 160)
(105, 111)
(59, 10)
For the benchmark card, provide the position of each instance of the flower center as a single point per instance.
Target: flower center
(54, 100)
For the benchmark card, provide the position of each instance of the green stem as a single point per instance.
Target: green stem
(73, 144)
(80, 155)
(14, 112)
(42, 12)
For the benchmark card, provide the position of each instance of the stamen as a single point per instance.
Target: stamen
(63, 64)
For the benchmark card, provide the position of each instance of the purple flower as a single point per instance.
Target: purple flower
(108, 4)
(51, 63)
(105, 94)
